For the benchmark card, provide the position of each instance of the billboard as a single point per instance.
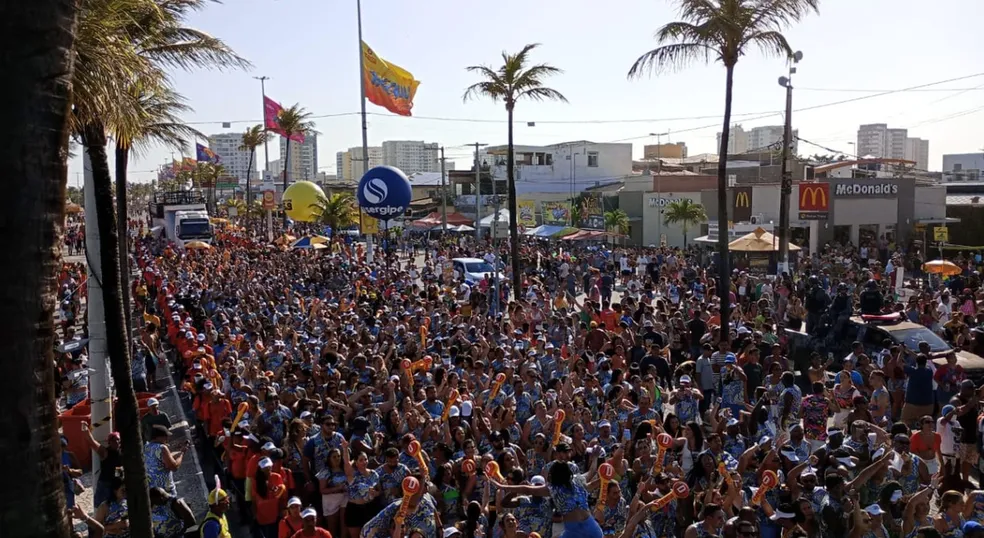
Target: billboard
(592, 213)
(814, 201)
(742, 207)
(556, 213)
(527, 213)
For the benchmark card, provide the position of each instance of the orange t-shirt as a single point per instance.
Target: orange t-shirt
(318, 533)
(266, 510)
(289, 527)
(215, 413)
(238, 456)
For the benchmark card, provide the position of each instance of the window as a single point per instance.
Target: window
(593, 159)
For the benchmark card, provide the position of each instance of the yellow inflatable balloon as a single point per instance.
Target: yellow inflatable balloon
(299, 200)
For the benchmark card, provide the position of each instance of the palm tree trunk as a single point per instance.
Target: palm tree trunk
(122, 161)
(37, 40)
(513, 232)
(286, 163)
(724, 263)
(252, 152)
(684, 236)
(126, 412)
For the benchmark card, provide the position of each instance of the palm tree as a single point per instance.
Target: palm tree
(37, 39)
(516, 79)
(253, 138)
(617, 223)
(686, 213)
(118, 43)
(293, 121)
(337, 210)
(724, 30)
(152, 120)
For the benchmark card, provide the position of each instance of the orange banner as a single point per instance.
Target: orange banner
(387, 85)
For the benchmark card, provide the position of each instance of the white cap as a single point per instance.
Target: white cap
(268, 446)
(188, 334)
(265, 463)
(846, 462)
(305, 414)
(308, 512)
(450, 531)
(896, 496)
(874, 510)
(732, 421)
(151, 402)
(810, 470)
(685, 379)
(779, 514)
(466, 409)
(294, 501)
(538, 481)
(790, 454)
(454, 411)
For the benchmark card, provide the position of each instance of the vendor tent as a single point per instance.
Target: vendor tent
(758, 241)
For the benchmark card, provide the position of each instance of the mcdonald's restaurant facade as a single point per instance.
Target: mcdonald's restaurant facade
(821, 211)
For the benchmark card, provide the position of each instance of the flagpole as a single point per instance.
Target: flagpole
(266, 153)
(365, 128)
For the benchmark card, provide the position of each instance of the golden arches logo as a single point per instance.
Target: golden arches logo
(742, 199)
(815, 193)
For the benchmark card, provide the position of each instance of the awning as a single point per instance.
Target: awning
(547, 230)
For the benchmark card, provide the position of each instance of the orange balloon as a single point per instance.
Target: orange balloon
(664, 440)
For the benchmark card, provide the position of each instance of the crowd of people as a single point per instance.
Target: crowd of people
(396, 399)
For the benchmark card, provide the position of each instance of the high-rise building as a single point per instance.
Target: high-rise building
(235, 161)
(412, 156)
(303, 165)
(758, 139)
(877, 140)
(350, 166)
(917, 149)
(963, 167)
(665, 151)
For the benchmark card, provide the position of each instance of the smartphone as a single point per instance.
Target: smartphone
(626, 434)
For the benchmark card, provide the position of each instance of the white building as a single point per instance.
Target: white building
(917, 149)
(351, 166)
(757, 139)
(303, 165)
(235, 161)
(554, 171)
(412, 156)
(877, 140)
(963, 167)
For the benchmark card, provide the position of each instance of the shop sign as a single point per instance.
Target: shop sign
(866, 189)
(814, 201)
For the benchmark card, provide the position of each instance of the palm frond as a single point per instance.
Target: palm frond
(187, 48)
(492, 87)
(770, 43)
(668, 58)
(542, 94)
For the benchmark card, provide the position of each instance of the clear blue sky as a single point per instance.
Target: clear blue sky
(309, 49)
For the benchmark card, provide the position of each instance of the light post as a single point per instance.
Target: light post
(786, 187)
(659, 187)
(495, 200)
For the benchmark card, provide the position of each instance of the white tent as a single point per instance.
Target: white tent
(501, 217)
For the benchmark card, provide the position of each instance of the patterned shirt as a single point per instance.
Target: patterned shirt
(815, 410)
(421, 519)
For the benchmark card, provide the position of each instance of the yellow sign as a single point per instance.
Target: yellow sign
(527, 213)
(742, 199)
(369, 225)
(941, 234)
(269, 200)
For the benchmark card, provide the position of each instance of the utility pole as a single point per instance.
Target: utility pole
(365, 124)
(444, 196)
(266, 154)
(786, 187)
(478, 190)
(659, 188)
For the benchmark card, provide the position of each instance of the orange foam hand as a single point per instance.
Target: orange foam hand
(663, 442)
(452, 398)
(500, 378)
(559, 417)
(680, 490)
(606, 472)
(769, 480)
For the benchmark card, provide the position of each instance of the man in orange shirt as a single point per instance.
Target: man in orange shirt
(218, 409)
(310, 528)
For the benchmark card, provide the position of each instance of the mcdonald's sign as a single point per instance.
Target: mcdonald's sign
(742, 205)
(814, 201)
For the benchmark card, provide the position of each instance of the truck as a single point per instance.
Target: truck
(181, 216)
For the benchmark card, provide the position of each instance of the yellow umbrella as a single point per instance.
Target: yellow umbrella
(197, 245)
(942, 267)
(319, 240)
(285, 239)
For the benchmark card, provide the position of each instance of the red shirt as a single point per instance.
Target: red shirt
(266, 510)
(318, 533)
(215, 413)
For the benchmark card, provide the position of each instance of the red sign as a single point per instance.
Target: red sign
(814, 201)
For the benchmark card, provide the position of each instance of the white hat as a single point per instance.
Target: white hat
(538, 481)
(896, 496)
(451, 531)
(466, 409)
(253, 438)
(779, 514)
(685, 379)
(207, 386)
(846, 462)
(305, 414)
(188, 334)
(790, 454)
(308, 512)
(265, 463)
(732, 422)
(810, 470)
(874, 510)
(454, 411)
(201, 337)
(151, 402)
(294, 501)
(268, 446)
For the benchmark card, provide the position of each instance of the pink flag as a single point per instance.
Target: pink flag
(271, 119)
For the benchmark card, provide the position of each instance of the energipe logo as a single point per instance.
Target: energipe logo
(375, 191)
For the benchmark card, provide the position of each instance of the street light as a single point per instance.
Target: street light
(786, 187)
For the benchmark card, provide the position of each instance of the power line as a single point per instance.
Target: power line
(858, 90)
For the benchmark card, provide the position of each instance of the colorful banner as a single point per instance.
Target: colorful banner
(527, 213)
(556, 213)
(592, 214)
(368, 225)
(205, 154)
(271, 119)
(387, 85)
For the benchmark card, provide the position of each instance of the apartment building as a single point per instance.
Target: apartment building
(235, 161)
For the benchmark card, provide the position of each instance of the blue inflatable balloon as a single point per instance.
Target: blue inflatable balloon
(384, 193)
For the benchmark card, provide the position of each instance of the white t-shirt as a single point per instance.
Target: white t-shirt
(948, 440)
(624, 263)
(944, 310)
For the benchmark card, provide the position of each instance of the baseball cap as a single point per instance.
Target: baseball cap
(846, 462)
(268, 446)
(265, 463)
(451, 531)
(466, 409)
(308, 512)
(294, 501)
(730, 359)
(947, 409)
(685, 380)
(732, 422)
(538, 481)
(604, 424)
(874, 510)
(454, 411)
(151, 402)
(971, 526)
